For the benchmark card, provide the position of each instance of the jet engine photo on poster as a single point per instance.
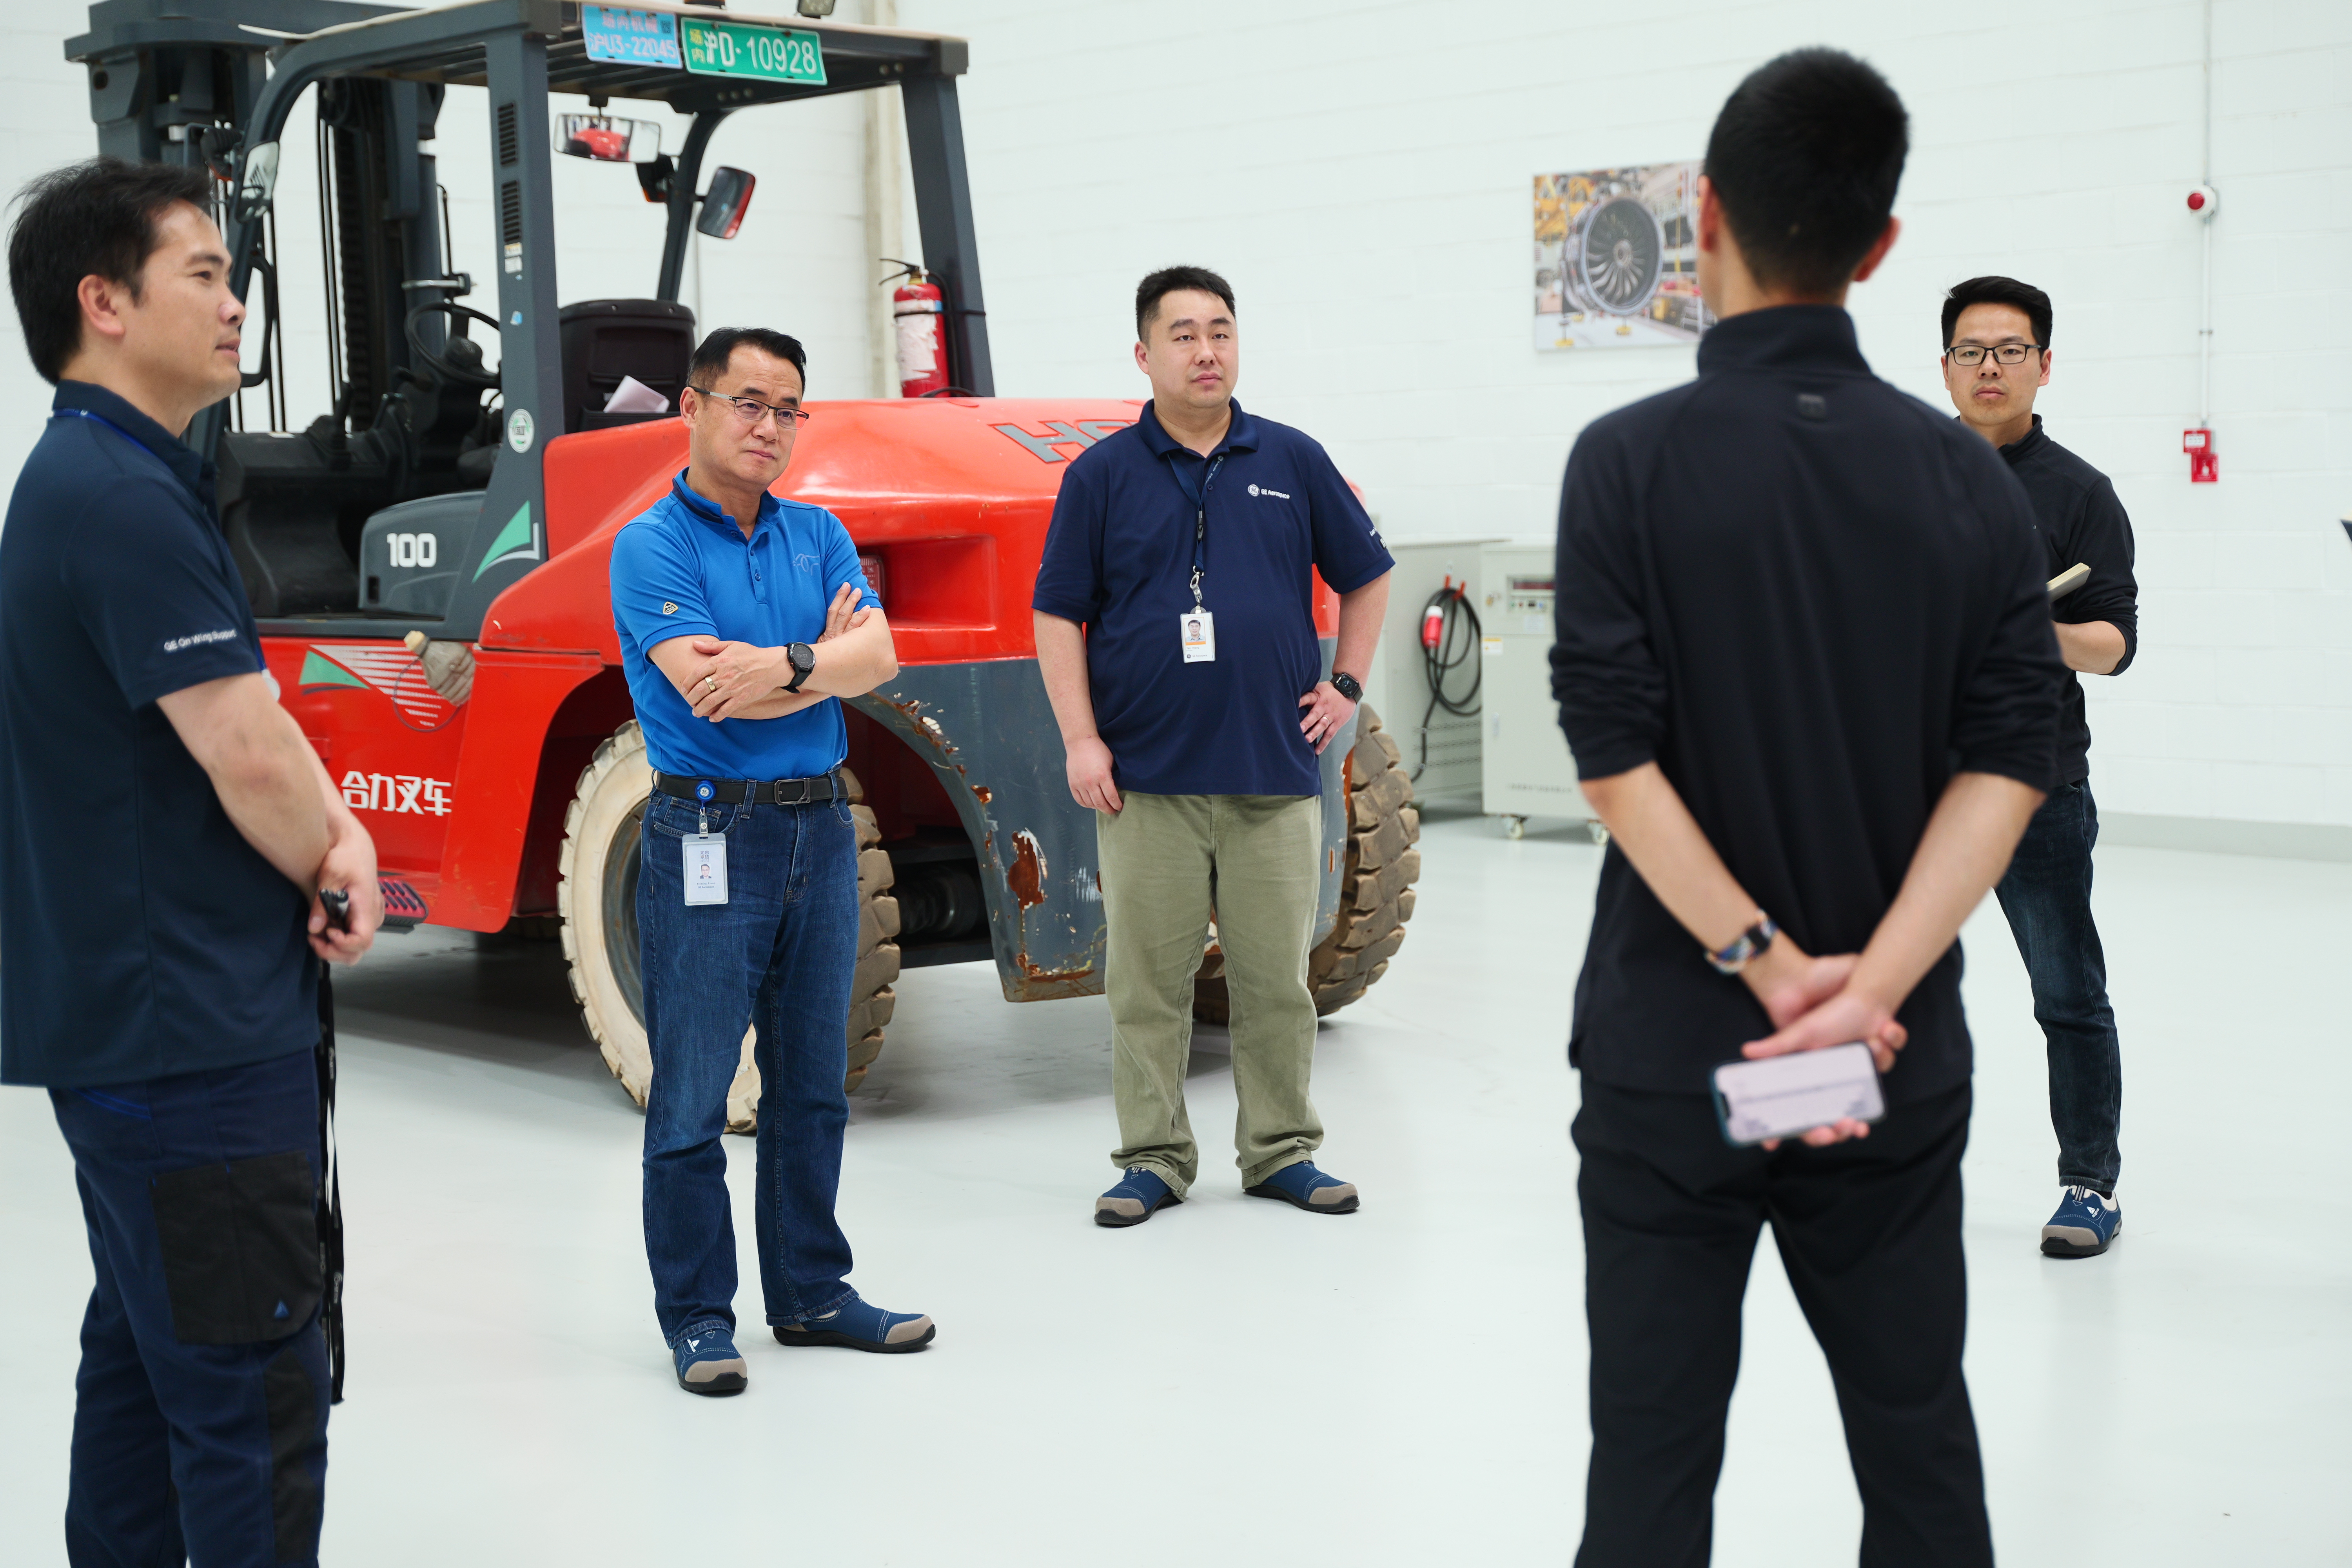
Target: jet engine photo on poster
(1617, 257)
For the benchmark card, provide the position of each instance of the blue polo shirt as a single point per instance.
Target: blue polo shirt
(682, 567)
(1118, 561)
(140, 936)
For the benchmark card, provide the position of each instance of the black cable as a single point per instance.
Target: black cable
(1442, 659)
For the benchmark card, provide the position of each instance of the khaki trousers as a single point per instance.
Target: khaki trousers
(1170, 863)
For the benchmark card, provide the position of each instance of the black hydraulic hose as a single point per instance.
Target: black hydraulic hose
(1452, 606)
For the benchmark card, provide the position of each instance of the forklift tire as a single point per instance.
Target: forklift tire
(1376, 891)
(597, 897)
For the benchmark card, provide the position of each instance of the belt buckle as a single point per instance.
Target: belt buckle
(779, 786)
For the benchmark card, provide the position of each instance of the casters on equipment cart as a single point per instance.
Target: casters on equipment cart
(1515, 827)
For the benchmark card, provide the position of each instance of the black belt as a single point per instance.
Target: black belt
(759, 792)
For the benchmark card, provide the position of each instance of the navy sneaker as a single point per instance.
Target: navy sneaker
(708, 1362)
(862, 1326)
(1139, 1195)
(1305, 1187)
(2083, 1225)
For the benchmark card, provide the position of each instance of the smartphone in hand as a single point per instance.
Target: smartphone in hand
(1782, 1097)
(337, 902)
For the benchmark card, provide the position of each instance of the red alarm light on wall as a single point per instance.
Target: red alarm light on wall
(2204, 463)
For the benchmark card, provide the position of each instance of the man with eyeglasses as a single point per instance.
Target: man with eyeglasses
(743, 618)
(1996, 360)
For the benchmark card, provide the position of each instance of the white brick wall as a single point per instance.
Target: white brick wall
(1361, 173)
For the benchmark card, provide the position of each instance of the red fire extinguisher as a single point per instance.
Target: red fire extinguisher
(919, 309)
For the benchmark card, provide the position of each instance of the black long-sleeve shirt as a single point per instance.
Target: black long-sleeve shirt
(1810, 600)
(2081, 520)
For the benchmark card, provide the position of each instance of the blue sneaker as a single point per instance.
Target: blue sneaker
(1303, 1186)
(708, 1362)
(2083, 1225)
(862, 1326)
(1139, 1195)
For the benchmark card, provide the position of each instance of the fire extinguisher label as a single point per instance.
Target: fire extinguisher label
(919, 347)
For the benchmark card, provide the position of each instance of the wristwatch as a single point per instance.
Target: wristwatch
(1749, 944)
(1346, 686)
(803, 659)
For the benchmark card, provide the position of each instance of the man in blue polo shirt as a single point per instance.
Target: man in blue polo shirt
(743, 618)
(1176, 634)
(164, 834)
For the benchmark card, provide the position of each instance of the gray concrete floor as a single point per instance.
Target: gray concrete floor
(1237, 1380)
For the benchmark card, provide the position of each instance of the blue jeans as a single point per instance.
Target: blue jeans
(2046, 894)
(200, 1410)
(778, 955)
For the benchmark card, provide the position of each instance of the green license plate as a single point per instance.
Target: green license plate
(743, 49)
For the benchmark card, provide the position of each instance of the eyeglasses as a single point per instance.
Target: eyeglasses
(1972, 355)
(749, 411)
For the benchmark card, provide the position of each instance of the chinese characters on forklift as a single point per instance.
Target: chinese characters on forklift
(724, 204)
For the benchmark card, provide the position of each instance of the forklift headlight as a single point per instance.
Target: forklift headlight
(815, 7)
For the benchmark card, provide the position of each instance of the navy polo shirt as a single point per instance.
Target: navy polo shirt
(1118, 561)
(140, 935)
(682, 568)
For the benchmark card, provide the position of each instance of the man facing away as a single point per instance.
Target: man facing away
(1806, 668)
(1996, 359)
(743, 620)
(164, 833)
(1176, 636)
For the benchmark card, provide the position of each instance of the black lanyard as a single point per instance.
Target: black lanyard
(1199, 513)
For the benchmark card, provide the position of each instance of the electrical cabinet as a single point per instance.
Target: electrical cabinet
(1525, 767)
(1442, 748)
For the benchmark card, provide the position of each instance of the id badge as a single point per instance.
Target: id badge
(706, 867)
(1198, 631)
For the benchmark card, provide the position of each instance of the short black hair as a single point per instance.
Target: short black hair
(1995, 289)
(1158, 285)
(717, 351)
(1805, 158)
(99, 217)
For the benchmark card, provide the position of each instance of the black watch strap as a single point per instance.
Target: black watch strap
(1345, 685)
(803, 659)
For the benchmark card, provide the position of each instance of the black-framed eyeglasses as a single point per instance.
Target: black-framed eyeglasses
(750, 409)
(1972, 354)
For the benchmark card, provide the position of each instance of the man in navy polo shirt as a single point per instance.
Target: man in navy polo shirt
(164, 832)
(1176, 635)
(743, 618)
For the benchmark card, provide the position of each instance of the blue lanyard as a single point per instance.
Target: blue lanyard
(1199, 513)
(102, 419)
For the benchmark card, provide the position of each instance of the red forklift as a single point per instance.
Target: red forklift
(427, 557)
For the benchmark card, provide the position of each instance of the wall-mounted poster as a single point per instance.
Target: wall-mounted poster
(1617, 257)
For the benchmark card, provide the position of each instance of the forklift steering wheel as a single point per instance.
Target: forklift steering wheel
(452, 375)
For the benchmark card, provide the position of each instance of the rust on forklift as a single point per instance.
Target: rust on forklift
(1027, 878)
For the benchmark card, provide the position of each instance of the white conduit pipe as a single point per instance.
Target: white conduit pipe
(2205, 178)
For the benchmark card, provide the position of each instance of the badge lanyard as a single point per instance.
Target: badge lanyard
(703, 853)
(102, 419)
(1196, 630)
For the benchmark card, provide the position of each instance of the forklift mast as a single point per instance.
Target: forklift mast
(214, 81)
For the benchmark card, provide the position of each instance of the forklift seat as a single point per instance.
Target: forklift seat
(605, 340)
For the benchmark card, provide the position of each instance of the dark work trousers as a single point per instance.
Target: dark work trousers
(1869, 1233)
(200, 1413)
(2046, 894)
